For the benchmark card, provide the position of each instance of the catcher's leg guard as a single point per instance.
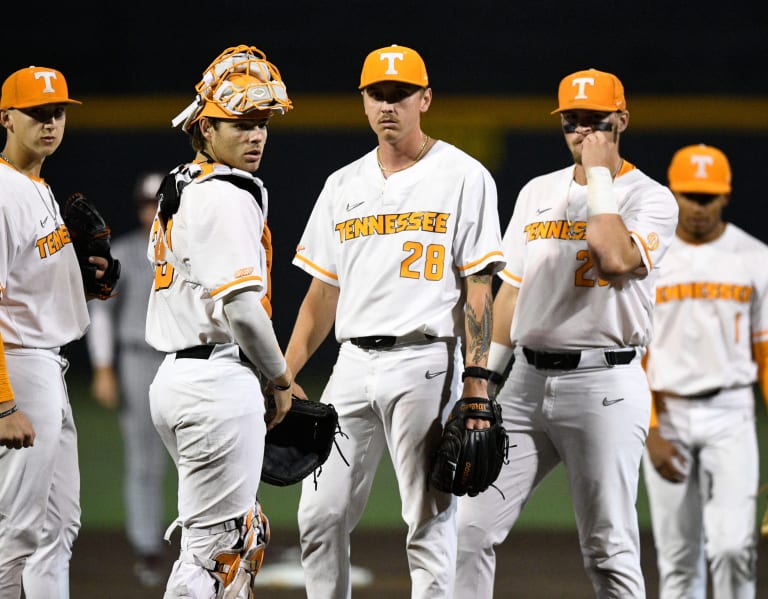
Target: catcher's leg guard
(231, 552)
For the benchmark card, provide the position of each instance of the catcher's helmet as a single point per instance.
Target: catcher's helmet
(237, 84)
(699, 169)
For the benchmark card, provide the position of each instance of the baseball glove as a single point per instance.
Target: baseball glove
(301, 443)
(90, 236)
(468, 461)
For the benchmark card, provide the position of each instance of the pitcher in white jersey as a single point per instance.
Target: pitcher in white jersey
(210, 312)
(42, 309)
(709, 349)
(401, 244)
(574, 313)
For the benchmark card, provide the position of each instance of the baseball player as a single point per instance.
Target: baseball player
(709, 348)
(209, 311)
(574, 312)
(42, 309)
(401, 244)
(123, 368)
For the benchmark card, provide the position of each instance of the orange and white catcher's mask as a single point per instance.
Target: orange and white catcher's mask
(241, 80)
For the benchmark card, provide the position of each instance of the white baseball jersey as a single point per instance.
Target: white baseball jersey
(581, 310)
(42, 301)
(210, 248)
(42, 308)
(365, 237)
(711, 312)
(711, 306)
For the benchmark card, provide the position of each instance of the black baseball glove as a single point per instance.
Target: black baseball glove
(468, 461)
(301, 443)
(90, 236)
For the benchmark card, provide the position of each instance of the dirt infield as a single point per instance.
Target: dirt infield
(531, 565)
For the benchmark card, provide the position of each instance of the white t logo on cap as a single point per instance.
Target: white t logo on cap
(48, 76)
(390, 58)
(701, 162)
(581, 83)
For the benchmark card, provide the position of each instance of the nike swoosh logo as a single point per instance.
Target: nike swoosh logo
(541, 210)
(431, 375)
(353, 206)
(43, 221)
(610, 402)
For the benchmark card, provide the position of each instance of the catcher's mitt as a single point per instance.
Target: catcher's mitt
(468, 461)
(301, 443)
(90, 236)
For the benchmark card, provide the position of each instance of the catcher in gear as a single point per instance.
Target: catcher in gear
(468, 461)
(91, 238)
(211, 249)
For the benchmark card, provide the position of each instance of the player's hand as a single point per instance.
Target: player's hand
(101, 265)
(665, 457)
(282, 398)
(298, 391)
(474, 387)
(105, 387)
(599, 149)
(16, 431)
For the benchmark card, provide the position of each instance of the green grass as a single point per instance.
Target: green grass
(101, 480)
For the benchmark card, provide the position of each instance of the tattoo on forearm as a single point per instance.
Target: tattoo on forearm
(479, 327)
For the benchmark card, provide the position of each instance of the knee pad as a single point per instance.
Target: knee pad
(235, 565)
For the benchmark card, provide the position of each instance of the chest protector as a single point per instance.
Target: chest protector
(169, 199)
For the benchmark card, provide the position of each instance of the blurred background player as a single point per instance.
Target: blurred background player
(710, 346)
(401, 246)
(123, 367)
(42, 309)
(575, 308)
(210, 312)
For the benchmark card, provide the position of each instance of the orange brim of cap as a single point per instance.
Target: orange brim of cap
(710, 187)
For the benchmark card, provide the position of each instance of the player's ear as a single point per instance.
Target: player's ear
(623, 121)
(426, 100)
(206, 127)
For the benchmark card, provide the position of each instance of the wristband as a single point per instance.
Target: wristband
(282, 387)
(9, 411)
(499, 356)
(476, 372)
(600, 196)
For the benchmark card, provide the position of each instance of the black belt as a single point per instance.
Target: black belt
(203, 352)
(708, 394)
(374, 342)
(544, 360)
(703, 395)
(388, 341)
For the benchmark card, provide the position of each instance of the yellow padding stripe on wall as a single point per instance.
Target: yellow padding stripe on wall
(330, 112)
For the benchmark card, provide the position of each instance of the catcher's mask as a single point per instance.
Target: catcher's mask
(238, 82)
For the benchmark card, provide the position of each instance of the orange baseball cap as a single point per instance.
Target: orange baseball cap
(35, 86)
(699, 169)
(394, 63)
(591, 90)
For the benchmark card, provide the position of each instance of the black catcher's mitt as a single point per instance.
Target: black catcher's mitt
(469, 461)
(90, 236)
(301, 443)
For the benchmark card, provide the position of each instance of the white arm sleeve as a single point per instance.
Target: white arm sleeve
(253, 332)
